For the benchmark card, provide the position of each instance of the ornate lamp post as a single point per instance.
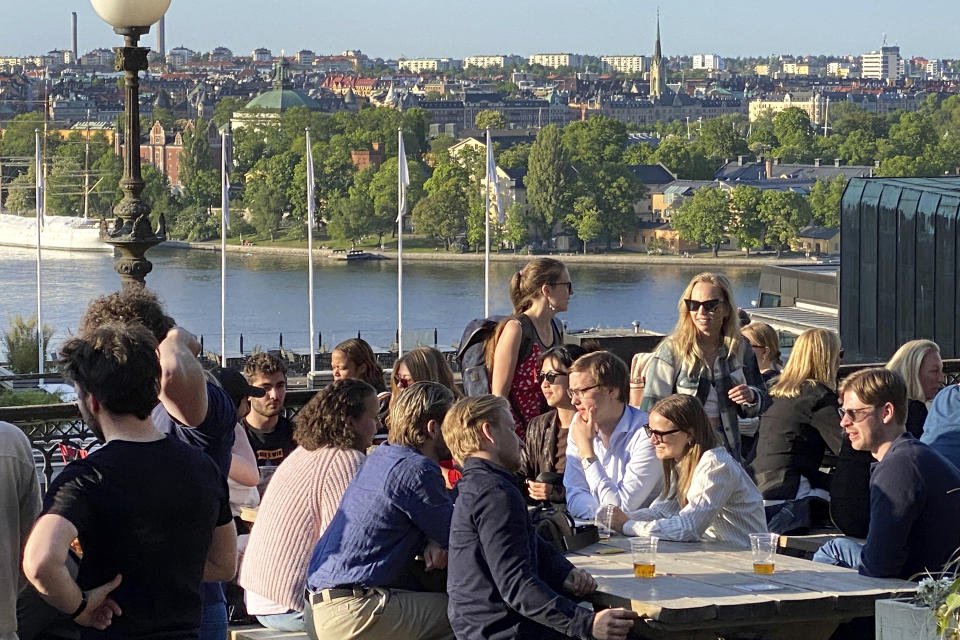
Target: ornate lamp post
(132, 233)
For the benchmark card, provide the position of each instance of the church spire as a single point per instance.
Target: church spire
(658, 78)
(656, 46)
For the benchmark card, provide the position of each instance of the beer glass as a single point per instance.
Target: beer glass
(644, 550)
(764, 548)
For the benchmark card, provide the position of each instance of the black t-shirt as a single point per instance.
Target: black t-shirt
(214, 435)
(272, 447)
(146, 510)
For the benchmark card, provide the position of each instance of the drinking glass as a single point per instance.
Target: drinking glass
(603, 520)
(644, 550)
(764, 548)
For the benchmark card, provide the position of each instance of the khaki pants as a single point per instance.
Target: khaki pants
(391, 614)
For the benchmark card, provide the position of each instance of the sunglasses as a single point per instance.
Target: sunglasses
(657, 436)
(853, 413)
(550, 377)
(709, 306)
(569, 286)
(402, 383)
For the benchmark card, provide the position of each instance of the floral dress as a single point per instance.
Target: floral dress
(526, 399)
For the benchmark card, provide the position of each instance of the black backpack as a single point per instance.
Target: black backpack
(557, 527)
(472, 354)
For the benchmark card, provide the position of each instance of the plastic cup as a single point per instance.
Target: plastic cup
(603, 521)
(644, 551)
(764, 548)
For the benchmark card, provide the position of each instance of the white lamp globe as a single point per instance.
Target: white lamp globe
(130, 13)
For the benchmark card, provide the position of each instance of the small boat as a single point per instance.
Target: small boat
(359, 254)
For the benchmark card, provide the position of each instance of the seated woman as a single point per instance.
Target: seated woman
(354, 358)
(545, 449)
(919, 363)
(797, 430)
(708, 496)
(333, 430)
(765, 343)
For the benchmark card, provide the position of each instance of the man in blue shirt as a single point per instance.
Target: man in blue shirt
(914, 502)
(362, 579)
(504, 580)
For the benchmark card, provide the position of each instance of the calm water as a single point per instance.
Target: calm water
(267, 295)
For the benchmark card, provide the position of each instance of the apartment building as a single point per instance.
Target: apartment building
(555, 60)
(625, 64)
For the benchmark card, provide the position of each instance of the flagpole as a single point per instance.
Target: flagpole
(310, 213)
(39, 197)
(401, 201)
(486, 220)
(224, 225)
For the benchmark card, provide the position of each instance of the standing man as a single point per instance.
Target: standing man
(363, 581)
(914, 497)
(504, 580)
(150, 511)
(270, 433)
(19, 507)
(609, 457)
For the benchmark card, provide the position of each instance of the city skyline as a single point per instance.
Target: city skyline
(432, 29)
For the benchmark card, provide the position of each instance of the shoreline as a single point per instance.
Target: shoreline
(327, 255)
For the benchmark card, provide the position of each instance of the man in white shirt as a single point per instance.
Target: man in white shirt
(610, 460)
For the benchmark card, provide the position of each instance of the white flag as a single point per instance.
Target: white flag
(225, 178)
(310, 197)
(403, 177)
(40, 186)
(492, 181)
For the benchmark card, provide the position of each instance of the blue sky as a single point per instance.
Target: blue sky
(457, 28)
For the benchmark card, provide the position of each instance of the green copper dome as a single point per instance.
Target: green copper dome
(283, 99)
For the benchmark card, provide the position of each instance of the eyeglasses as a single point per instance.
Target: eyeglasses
(550, 377)
(578, 393)
(853, 413)
(709, 306)
(402, 383)
(757, 346)
(657, 436)
(569, 286)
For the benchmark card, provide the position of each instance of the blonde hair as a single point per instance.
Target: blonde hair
(425, 364)
(766, 336)
(607, 370)
(462, 425)
(906, 361)
(685, 413)
(684, 335)
(413, 409)
(878, 386)
(813, 358)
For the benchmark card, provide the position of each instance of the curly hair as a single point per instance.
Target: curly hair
(127, 306)
(358, 351)
(322, 422)
(263, 364)
(118, 365)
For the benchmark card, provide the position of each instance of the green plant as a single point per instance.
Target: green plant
(941, 593)
(20, 343)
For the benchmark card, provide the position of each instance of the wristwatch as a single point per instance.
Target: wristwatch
(588, 461)
(81, 607)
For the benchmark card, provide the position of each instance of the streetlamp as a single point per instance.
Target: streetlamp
(132, 233)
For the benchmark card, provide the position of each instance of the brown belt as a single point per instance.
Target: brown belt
(326, 595)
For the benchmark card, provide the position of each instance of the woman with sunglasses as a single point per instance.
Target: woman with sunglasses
(545, 449)
(538, 292)
(707, 496)
(796, 431)
(765, 343)
(705, 356)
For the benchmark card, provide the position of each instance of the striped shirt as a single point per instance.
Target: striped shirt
(300, 501)
(723, 505)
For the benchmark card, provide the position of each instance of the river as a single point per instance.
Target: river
(267, 295)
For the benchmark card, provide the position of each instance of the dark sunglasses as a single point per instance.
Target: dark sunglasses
(402, 383)
(709, 306)
(569, 286)
(549, 376)
(657, 436)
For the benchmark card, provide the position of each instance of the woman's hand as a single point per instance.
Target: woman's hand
(618, 519)
(742, 394)
(540, 490)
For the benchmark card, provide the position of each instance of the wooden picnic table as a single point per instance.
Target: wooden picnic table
(703, 590)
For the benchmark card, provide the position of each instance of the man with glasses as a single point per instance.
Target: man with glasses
(914, 502)
(610, 460)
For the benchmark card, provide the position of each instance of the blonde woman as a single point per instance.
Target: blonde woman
(538, 292)
(704, 357)
(918, 363)
(707, 496)
(800, 425)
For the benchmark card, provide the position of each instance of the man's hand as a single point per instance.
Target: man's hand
(618, 519)
(742, 394)
(100, 608)
(579, 583)
(435, 556)
(613, 624)
(582, 432)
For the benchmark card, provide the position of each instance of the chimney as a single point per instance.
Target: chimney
(836, 162)
(161, 39)
(769, 169)
(740, 160)
(816, 162)
(73, 30)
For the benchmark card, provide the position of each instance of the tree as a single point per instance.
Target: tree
(441, 214)
(585, 220)
(746, 225)
(516, 157)
(704, 217)
(795, 133)
(514, 230)
(490, 118)
(719, 138)
(684, 159)
(548, 194)
(224, 109)
(595, 140)
(613, 190)
(21, 344)
(639, 153)
(348, 220)
(825, 199)
(383, 194)
(784, 213)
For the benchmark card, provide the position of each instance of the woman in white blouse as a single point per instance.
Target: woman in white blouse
(707, 495)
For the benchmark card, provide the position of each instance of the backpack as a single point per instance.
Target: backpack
(556, 527)
(472, 354)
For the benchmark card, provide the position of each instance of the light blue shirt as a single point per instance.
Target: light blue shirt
(627, 474)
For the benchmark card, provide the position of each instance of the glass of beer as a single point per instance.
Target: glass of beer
(603, 520)
(764, 548)
(644, 550)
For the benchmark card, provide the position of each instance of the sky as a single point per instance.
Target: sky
(459, 28)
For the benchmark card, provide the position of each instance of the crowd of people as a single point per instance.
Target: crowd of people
(397, 508)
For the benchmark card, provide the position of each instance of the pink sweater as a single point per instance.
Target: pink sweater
(300, 501)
